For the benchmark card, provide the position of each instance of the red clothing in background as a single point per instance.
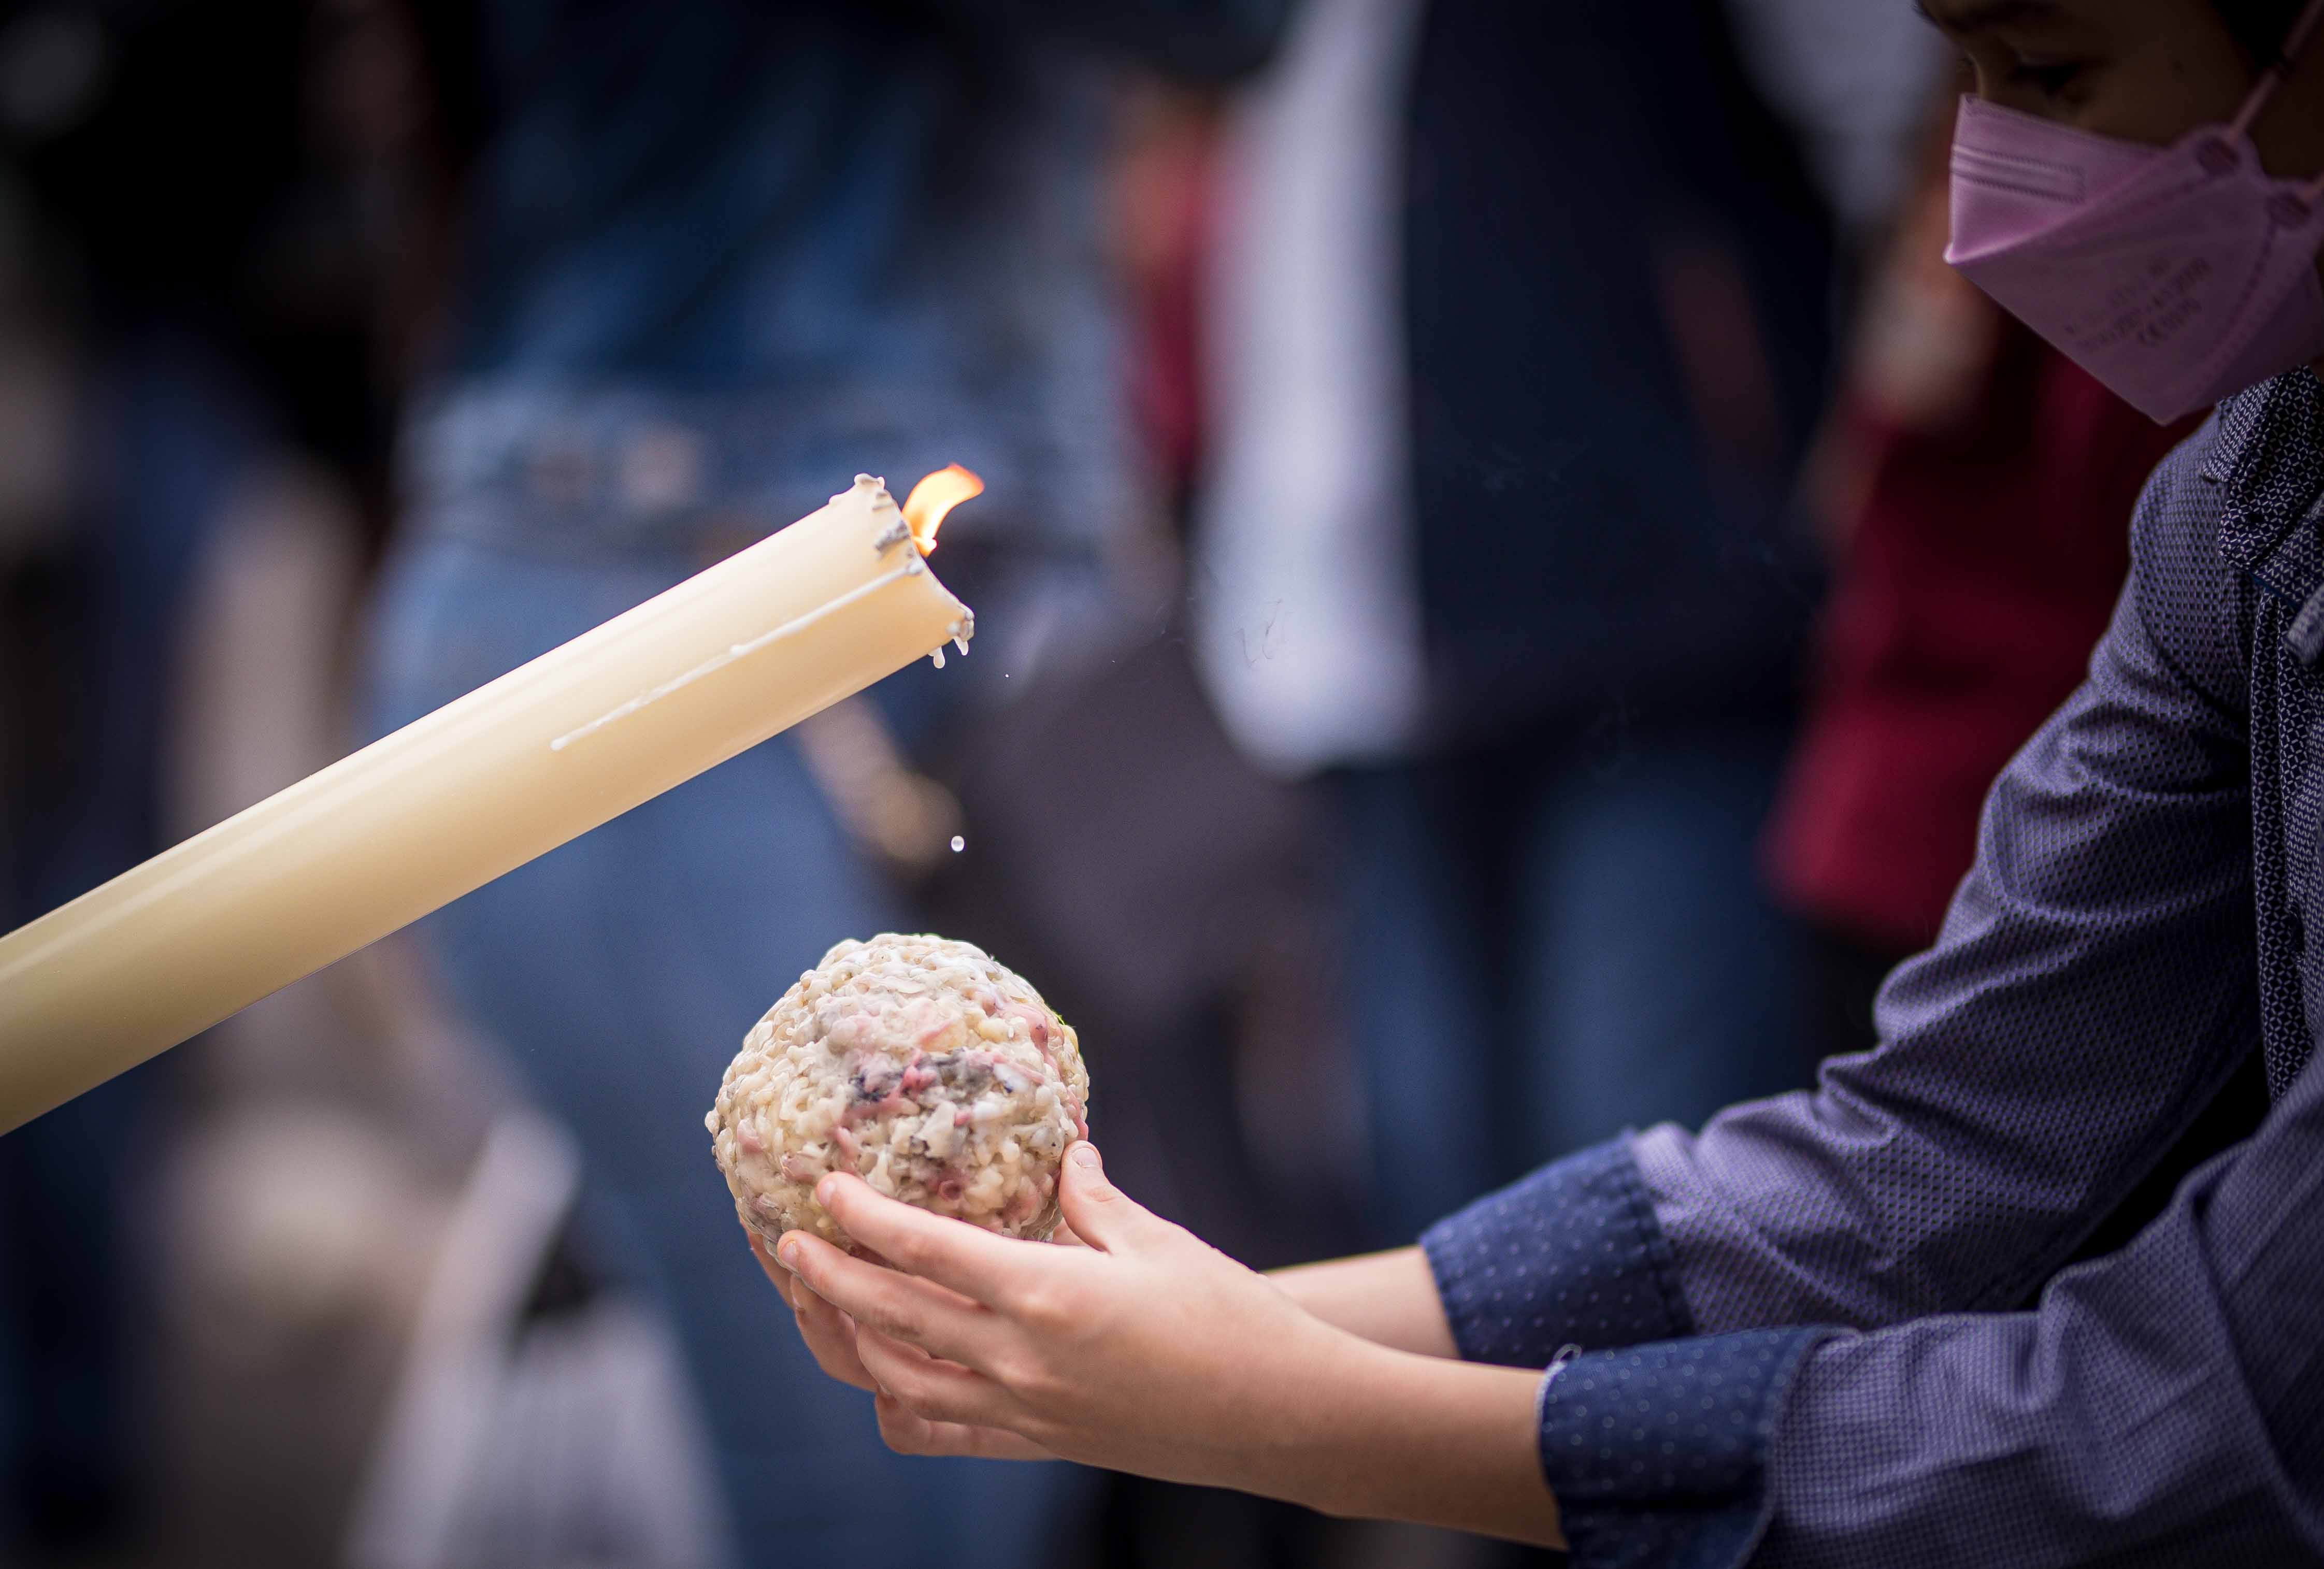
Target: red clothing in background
(1989, 539)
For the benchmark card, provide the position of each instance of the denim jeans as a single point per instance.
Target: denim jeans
(621, 972)
(1557, 938)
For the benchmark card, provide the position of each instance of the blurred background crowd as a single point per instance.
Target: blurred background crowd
(1508, 565)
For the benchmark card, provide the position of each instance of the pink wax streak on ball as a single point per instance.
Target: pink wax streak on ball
(920, 1064)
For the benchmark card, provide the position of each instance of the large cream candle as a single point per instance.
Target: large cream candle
(683, 682)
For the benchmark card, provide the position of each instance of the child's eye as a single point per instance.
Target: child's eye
(2051, 78)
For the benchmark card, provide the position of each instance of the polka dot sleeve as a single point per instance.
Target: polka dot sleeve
(1657, 1453)
(1656, 1447)
(1570, 1255)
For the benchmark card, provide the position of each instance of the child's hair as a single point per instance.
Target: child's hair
(2259, 26)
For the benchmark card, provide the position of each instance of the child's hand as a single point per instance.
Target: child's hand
(1144, 1350)
(830, 1336)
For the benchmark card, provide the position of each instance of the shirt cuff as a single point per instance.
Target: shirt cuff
(1657, 1453)
(1573, 1254)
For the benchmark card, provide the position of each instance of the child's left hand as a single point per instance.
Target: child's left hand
(1145, 1349)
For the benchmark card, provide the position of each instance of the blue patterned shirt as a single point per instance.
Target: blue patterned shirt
(1849, 1327)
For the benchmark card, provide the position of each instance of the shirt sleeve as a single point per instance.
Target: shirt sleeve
(1657, 1453)
(2163, 1405)
(1570, 1255)
(2093, 989)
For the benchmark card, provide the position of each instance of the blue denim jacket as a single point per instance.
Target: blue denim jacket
(1805, 1331)
(723, 254)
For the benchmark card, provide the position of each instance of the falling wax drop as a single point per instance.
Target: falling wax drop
(958, 844)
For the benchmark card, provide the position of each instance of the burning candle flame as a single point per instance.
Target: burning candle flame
(932, 497)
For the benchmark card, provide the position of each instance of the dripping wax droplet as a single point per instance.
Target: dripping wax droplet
(936, 659)
(958, 844)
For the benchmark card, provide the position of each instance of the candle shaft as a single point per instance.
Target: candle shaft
(623, 712)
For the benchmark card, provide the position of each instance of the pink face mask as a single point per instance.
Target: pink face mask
(2177, 276)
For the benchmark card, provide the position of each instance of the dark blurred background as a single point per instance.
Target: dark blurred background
(1509, 565)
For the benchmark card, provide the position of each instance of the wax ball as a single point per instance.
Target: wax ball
(921, 1065)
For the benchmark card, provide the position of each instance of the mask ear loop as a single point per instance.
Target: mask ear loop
(2294, 42)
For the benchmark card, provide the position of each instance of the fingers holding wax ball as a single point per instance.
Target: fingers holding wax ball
(920, 1065)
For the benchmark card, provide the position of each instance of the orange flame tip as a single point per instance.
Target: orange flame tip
(935, 496)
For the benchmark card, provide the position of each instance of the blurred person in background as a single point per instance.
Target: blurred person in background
(1168, 895)
(187, 320)
(715, 260)
(1840, 1328)
(1511, 386)
(1972, 482)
